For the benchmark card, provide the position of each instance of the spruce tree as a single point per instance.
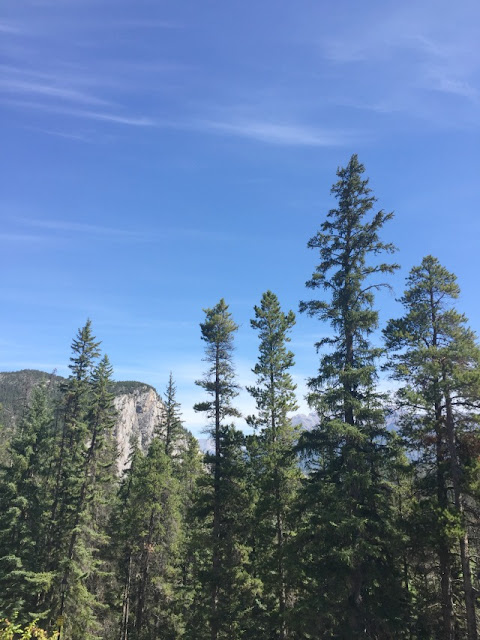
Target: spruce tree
(147, 539)
(225, 500)
(171, 423)
(350, 580)
(25, 501)
(276, 470)
(84, 464)
(437, 361)
(123, 543)
(191, 473)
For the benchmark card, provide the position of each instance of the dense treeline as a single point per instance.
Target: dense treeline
(349, 530)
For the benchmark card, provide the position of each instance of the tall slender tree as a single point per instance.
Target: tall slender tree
(171, 426)
(227, 579)
(84, 463)
(436, 359)
(350, 572)
(277, 473)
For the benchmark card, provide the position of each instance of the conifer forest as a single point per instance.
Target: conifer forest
(365, 526)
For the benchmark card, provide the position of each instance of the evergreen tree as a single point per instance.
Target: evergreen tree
(438, 362)
(350, 568)
(148, 539)
(84, 464)
(171, 424)
(99, 488)
(121, 535)
(277, 472)
(72, 604)
(191, 473)
(25, 499)
(225, 501)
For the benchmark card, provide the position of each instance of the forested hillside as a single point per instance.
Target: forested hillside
(138, 408)
(16, 388)
(348, 529)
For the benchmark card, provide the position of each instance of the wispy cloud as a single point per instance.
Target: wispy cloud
(440, 79)
(63, 134)
(152, 235)
(50, 91)
(409, 52)
(275, 133)
(285, 134)
(80, 227)
(67, 92)
(114, 118)
(133, 121)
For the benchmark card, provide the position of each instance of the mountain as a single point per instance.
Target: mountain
(308, 422)
(139, 407)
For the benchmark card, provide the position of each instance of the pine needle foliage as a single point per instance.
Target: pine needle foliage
(435, 357)
(227, 593)
(275, 469)
(349, 573)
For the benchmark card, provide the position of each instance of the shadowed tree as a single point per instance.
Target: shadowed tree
(435, 357)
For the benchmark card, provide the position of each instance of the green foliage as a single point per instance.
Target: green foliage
(226, 592)
(11, 630)
(147, 539)
(58, 487)
(16, 388)
(274, 467)
(171, 426)
(219, 380)
(434, 356)
(25, 492)
(349, 571)
(372, 533)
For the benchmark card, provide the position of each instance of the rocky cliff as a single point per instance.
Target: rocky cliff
(139, 407)
(139, 412)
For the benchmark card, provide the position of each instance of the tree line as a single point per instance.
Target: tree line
(352, 529)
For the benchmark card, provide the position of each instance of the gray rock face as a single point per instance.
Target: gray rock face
(139, 412)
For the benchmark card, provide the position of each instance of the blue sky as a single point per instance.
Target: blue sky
(158, 155)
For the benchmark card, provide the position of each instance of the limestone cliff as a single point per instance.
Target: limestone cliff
(139, 408)
(139, 412)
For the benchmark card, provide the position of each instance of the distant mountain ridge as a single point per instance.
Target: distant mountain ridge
(307, 421)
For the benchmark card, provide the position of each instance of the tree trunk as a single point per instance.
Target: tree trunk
(442, 496)
(126, 600)
(443, 546)
(214, 622)
(464, 551)
(145, 566)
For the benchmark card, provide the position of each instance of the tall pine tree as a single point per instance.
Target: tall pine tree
(147, 538)
(276, 469)
(226, 499)
(351, 584)
(86, 422)
(436, 359)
